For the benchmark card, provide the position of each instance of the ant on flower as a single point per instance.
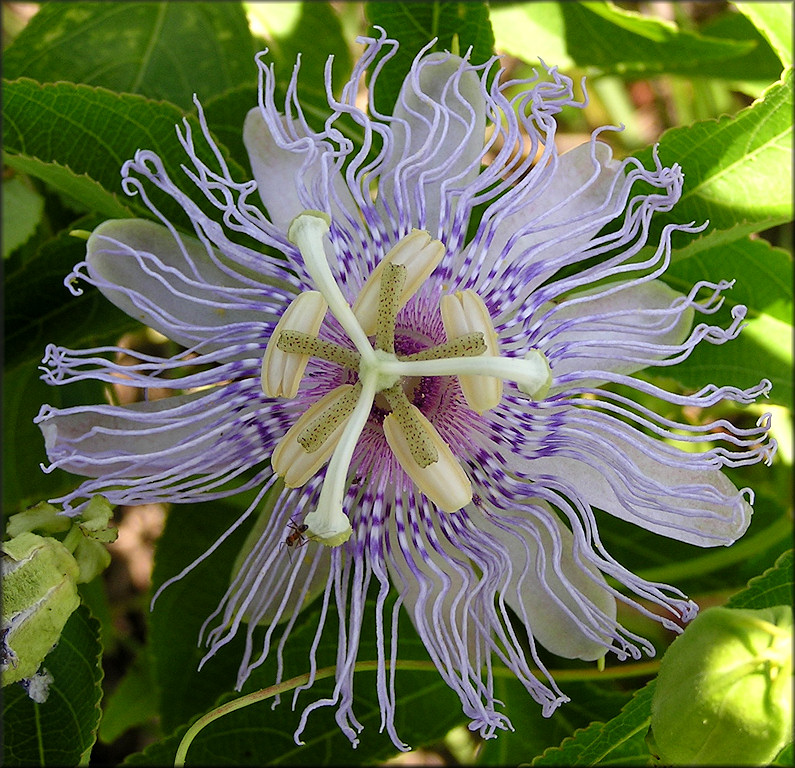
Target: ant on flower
(296, 537)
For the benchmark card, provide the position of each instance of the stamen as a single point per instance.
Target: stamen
(328, 524)
(294, 463)
(318, 431)
(465, 312)
(419, 442)
(306, 233)
(419, 254)
(296, 342)
(392, 282)
(282, 370)
(468, 345)
(444, 482)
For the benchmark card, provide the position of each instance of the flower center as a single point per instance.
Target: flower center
(330, 429)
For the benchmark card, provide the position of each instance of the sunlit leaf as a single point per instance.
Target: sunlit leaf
(737, 169)
(774, 21)
(607, 39)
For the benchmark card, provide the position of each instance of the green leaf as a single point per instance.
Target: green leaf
(22, 211)
(609, 40)
(785, 757)
(753, 72)
(226, 113)
(414, 25)
(763, 277)
(23, 445)
(133, 701)
(772, 588)
(85, 193)
(159, 50)
(733, 166)
(533, 733)
(256, 735)
(62, 730)
(40, 310)
(774, 21)
(620, 741)
(763, 273)
(763, 350)
(62, 131)
(190, 531)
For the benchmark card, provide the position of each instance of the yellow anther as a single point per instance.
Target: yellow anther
(418, 440)
(468, 345)
(463, 313)
(315, 434)
(300, 343)
(419, 254)
(291, 461)
(444, 482)
(393, 278)
(282, 371)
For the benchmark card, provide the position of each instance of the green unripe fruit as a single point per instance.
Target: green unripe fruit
(724, 691)
(39, 595)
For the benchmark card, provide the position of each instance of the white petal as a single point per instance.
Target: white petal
(142, 438)
(539, 595)
(576, 204)
(698, 506)
(170, 285)
(280, 173)
(439, 135)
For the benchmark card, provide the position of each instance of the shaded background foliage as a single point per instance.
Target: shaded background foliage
(86, 84)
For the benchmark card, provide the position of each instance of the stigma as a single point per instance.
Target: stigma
(328, 433)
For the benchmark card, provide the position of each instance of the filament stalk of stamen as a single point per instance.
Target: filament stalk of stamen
(306, 233)
(300, 343)
(468, 345)
(419, 442)
(318, 431)
(392, 282)
(531, 373)
(328, 524)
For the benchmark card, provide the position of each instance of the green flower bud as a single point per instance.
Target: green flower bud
(39, 595)
(724, 692)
